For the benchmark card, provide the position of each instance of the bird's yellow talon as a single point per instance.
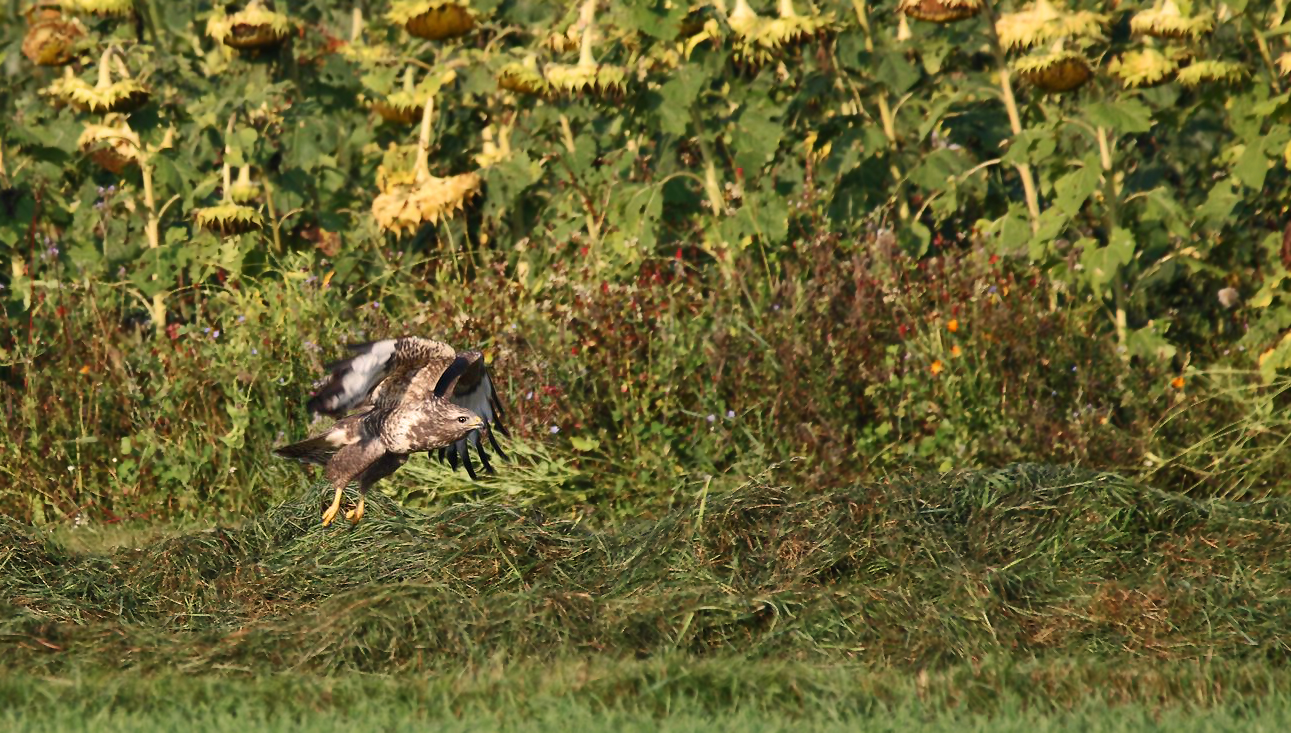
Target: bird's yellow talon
(330, 514)
(355, 514)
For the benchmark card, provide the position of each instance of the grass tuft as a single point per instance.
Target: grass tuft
(920, 572)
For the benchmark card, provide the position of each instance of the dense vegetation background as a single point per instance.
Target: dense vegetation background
(726, 255)
(836, 242)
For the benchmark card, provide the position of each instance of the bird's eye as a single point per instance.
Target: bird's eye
(462, 419)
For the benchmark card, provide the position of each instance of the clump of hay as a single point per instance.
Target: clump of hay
(1028, 559)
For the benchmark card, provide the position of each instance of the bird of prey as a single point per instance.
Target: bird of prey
(404, 396)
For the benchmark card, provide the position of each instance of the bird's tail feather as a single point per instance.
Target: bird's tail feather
(320, 448)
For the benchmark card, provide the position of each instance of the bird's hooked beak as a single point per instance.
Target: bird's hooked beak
(478, 423)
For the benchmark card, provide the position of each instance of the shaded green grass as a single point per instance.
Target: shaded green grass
(1030, 590)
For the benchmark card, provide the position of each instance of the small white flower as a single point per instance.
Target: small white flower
(555, 429)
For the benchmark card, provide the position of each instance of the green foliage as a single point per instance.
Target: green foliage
(741, 254)
(1162, 191)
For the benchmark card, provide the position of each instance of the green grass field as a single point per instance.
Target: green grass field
(1030, 597)
(578, 696)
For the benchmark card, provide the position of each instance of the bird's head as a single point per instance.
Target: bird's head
(462, 422)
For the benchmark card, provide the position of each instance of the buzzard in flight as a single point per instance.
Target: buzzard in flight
(403, 396)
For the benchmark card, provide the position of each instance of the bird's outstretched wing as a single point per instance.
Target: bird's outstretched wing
(382, 373)
(467, 382)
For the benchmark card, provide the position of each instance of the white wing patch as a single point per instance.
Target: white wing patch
(354, 379)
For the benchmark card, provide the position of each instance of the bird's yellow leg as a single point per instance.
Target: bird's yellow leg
(355, 514)
(335, 508)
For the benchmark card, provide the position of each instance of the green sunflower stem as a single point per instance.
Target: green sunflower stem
(356, 23)
(422, 168)
(593, 228)
(1263, 46)
(588, 18)
(227, 174)
(886, 117)
(1015, 118)
(105, 68)
(152, 18)
(587, 13)
(1111, 200)
(1111, 194)
(712, 186)
(152, 227)
(152, 230)
(273, 213)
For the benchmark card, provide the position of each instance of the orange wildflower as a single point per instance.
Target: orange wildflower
(1177, 382)
(936, 367)
(952, 325)
(955, 351)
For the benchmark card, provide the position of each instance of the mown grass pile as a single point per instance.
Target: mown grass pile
(1029, 561)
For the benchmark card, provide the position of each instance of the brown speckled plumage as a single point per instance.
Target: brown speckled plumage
(408, 395)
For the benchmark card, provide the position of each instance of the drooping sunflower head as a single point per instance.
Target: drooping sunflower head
(1201, 72)
(405, 207)
(103, 8)
(791, 27)
(588, 76)
(435, 20)
(369, 53)
(1145, 67)
(1044, 22)
(594, 79)
(113, 145)
(122, 95)
(251, 28)
(401, 107)
(51, 39)
(228, 218)
(1054, 70)
(1165, 20)
(760, 40)
(524, 77)
(940, 11)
